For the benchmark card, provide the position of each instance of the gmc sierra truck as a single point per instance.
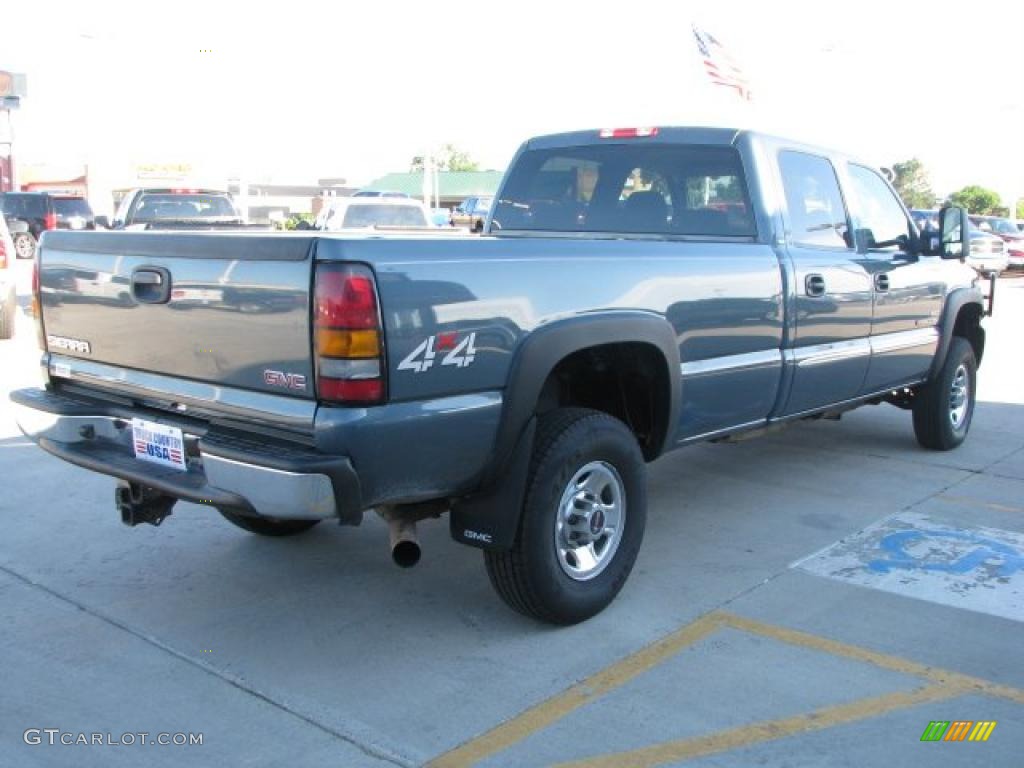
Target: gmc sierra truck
(636, 291)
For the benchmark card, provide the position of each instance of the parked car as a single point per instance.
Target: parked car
(641, 290)
(175, 208)
(8, 294)
(1008, 232)
(926, 220)
(42, 211)
(472, 213)
(988, 254)
(369, 212)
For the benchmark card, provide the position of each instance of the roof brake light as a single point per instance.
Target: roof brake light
(627, 133)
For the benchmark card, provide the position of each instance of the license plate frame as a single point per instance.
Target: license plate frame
(159, 444)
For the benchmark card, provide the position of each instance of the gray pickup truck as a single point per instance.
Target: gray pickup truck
(635, 291)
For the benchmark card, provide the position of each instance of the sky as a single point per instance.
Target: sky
(299, 92)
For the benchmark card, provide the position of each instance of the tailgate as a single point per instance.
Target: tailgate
(220, 308)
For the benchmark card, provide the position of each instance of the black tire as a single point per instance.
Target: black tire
(531, 577)
(934, 424)
(24, 245)
(268, 526)
(7, 316)
(479, 228)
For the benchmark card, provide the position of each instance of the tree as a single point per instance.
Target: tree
(449, 158)
(976, 200)
(911, 182)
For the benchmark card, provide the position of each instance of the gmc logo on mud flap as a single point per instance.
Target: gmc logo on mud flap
(486, 538)
(286, 380)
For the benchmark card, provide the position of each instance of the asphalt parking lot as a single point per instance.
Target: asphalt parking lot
(812, 598)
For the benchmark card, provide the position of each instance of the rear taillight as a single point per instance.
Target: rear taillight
(347, 336)
(50, 221)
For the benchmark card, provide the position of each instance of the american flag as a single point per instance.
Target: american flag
(719, 65)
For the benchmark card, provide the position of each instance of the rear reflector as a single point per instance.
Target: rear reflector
(347, 335)
(363, 391)
(50, 221)
(627, 133)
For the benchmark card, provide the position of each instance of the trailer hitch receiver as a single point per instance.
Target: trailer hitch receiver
(141, 504)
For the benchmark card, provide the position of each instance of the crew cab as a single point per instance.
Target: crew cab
(635, 291)
(174, 208)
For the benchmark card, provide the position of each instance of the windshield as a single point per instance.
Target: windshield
(67, 207)
(654, 189)
(383, 216)
(155, 207)
(1003, 226)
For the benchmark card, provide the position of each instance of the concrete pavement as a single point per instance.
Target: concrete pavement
(722, 650)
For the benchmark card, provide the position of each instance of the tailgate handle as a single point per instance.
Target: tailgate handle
(151, 285)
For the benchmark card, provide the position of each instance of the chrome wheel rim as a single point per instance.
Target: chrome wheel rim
(23, 247)
(590, 520)
(959, 397)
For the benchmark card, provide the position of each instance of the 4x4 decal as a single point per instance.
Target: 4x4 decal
(458, 353)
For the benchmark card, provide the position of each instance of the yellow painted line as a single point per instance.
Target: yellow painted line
(988, 731)
(977, 503)
(945, 684)
(769, 730)
(554, 709)
(894, 663)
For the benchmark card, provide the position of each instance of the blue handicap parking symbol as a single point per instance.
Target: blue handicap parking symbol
(981, 551)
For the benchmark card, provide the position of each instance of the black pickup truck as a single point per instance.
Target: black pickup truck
(635, 291)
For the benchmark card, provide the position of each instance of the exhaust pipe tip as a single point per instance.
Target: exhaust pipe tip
(405, 553)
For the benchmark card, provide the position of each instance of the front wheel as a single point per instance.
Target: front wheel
(582, 521)
(944, 408)
(268, 526)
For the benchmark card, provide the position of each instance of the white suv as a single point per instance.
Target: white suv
(8, 296)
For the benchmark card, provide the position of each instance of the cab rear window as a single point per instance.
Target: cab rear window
(644, 189)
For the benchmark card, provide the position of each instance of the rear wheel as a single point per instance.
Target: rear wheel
(582, 522)
(268, 526)
(944, 408)
(24, 245)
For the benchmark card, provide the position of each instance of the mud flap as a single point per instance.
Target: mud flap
(490, 518)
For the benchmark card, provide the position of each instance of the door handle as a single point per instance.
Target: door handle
(882, 282)
(814, 285)
(151, 285)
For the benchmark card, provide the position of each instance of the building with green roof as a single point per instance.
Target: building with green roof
(453, 186)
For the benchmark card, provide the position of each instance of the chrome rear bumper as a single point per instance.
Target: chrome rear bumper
(250, 476)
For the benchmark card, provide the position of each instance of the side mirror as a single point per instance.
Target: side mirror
(102, 221)
(954, 227)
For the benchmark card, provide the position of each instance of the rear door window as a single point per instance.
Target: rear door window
(384, 216)
(655, 189)
(66, 207)
(817, 214)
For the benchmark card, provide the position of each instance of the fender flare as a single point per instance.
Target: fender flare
(490, 517)
(955, 302)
